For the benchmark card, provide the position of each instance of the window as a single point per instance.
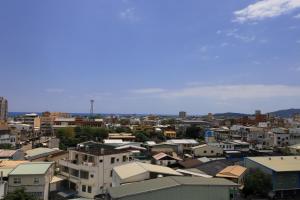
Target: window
(36, 180)
(111, 172)
(124, 158)
(17, 180)
(100, 161)
(118, 160)
(211, 151)
(204, 151)
(89, 189)
(83, 188)
(112, 160)
(84, 174)
(92, 175)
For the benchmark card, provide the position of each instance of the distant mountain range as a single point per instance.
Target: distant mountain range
(280, 113)
(286, 113)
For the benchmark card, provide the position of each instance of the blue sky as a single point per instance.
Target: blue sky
(138, 56)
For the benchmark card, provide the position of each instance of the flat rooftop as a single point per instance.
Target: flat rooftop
(31, 168)
(278, 163)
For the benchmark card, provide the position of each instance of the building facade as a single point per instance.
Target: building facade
(88, 168)
(3, 109)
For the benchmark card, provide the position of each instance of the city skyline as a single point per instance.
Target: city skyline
(150, 57)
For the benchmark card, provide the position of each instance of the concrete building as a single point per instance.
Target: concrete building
(170, 134)
(182, 114)
(284, 172)
(206, 150)
(183, 144)
(34, 177)
(234, 173)
(164, 159)
(3, 109)
(6, 137)
(88, 168)
(40, 153)
(137, 171)
(175, 188)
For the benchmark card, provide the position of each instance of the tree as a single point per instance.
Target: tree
(19, 194)
(257, 183)
(141, 137)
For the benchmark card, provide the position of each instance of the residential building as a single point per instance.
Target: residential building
(39, 153)
(283, 170)
(122, 136)
(165, 159)
(3, 109)
(234, 173)
(34, 177)
(294, 149)
(137, 171)
(169, 133)
(281, 137)
(88, 168)
(6, 137)
(6, 154)
(176, 188)
(167, 148)
(183, 144)
(182, 114)
(207, 151)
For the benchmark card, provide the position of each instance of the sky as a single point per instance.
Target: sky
(142, 56)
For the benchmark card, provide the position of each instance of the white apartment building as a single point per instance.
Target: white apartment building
(34, 177)
(88, 169)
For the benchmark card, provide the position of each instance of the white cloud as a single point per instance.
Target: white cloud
(226, 92)
(265, 9)
(148, 91)
(297, 16)
(235, 34)
(130, 15)
(54, 90)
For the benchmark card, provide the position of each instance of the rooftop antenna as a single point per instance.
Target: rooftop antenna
(92, 108)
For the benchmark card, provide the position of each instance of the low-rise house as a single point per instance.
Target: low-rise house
(165, 159)
(170, 134)
(88, 168)
(11, 154)
(189, 163)
(122, 136)
(281, 137)
(34, 177)
(163, 147)
(207, 151)
(40, 153)
(184, 145)
(176, 188)
(6, 166)
(137, 171)
(214, 167)
(234, 173)
(294, 149)
(283, 170)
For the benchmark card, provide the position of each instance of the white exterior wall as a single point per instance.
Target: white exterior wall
(99, 177)
(207, 151)
(281, 139)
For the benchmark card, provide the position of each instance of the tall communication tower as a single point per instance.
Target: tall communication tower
(92, 108)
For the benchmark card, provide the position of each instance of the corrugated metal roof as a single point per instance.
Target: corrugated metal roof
(163, 183)
(135, 168)
(279, 163)
(234, 171)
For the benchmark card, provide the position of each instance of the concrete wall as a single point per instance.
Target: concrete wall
(207, 151)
